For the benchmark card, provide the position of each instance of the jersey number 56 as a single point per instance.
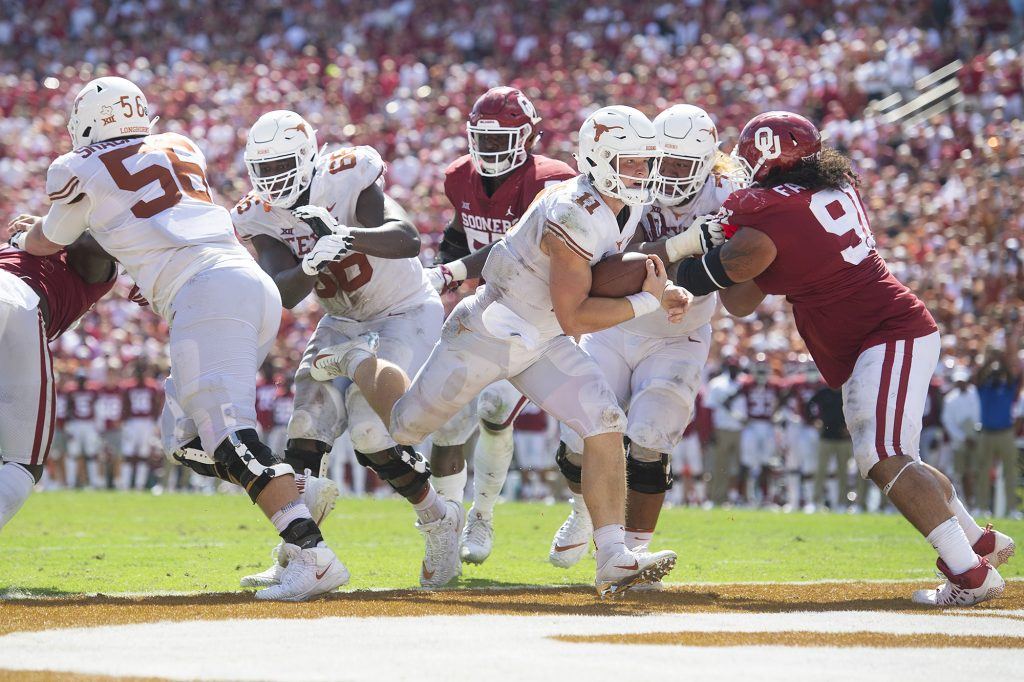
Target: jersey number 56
(180, 176)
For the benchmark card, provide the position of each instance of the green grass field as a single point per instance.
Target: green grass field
(84, 542)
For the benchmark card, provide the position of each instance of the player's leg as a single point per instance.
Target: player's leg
(572, 539)
(568, 384)
(27, 404)
(499, 405)
(449, 451)
(217, 344)
(884, 403)
(664, 387)
(93, 450)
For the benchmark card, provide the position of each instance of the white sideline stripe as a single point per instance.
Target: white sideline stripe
(498, 647)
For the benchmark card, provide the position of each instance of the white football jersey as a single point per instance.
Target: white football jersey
(149, 207)
(667, 221)
(358, 287)
(517, 272)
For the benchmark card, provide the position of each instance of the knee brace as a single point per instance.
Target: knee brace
(401, 467)
(250, 462)
(649, 477)
(191, 455)
(572, 472)
(300, 459)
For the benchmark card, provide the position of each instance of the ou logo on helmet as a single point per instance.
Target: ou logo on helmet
(768, 143)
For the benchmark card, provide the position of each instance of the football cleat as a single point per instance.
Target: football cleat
(334, 361)
(572, 540)
(995, 546)
(271, 576)
(477, 538)
(978, 584)
(622, 571)
(441, 563)
(308, 573)
(319, 496)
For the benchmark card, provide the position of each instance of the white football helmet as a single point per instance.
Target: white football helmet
(106, 108)
(609, 134)
(281, 154)
(687, 133)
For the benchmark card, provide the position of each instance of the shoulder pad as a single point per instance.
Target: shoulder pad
(62, 183)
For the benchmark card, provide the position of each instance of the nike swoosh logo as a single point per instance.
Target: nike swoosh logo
(427, 575)
(322, 573)
(635, 566)
(330, 209)
(559, 548)
(692, 340)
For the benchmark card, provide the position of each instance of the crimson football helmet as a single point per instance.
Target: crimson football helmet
(776, 140)
(501, 129)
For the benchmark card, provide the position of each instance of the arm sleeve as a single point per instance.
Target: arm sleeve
(65, 223)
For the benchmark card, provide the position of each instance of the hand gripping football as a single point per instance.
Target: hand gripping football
(618, 275)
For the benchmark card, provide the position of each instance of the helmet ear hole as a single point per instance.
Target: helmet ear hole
(87, 131)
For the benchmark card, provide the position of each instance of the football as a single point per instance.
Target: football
(619, 275)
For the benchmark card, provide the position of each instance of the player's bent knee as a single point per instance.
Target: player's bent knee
(191, 456)
(569, 463)
(648, 471)
(250, 462)
(304, 453)
(401, 467)
(370, 436)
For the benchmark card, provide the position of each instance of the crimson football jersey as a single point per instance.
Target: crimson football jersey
(486, 218)
(532, 419)
(762, 399)
(66, 294)
(82, 402)
(844, 298)
(799, 392)
(266, 396)
(141, 399)
(110, 406)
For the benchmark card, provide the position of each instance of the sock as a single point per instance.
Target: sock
(970, 527)
(284, 516)
(452, 487)
(432, 506)
(15, 486)
(951, 543)
(610, 540)
(71, 471)
(636, 537)
(490, 467)
(92, 468)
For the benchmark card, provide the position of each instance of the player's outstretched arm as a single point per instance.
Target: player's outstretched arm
(388, 232)
(278, 261)
(745, 256)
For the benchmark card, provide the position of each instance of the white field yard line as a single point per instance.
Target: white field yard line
(516, 648)
(13, 594)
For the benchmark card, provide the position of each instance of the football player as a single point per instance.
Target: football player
(40, 299)
(654, 366)
(801, 230)
(490, 188)
(324, 224)
(518, 327)
(145, 199)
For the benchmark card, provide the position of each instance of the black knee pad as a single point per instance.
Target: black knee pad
(649, 477)
(572, 473)
(401, 467)
(191, 456)
(250, 462)
(301, 459)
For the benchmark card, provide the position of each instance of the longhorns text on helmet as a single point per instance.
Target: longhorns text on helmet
(107, 108)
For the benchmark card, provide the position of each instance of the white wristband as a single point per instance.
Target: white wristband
(17, 240)
(458, 270)
(643, 303)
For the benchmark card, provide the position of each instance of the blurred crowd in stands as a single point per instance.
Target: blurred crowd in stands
(944, 190)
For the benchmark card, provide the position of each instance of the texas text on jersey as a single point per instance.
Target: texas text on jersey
(358, 287)
(486, 219)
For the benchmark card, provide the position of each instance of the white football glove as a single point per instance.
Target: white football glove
(329, 249)
(311, 214)
(703, 234)
(445, 278)
(17, 240)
